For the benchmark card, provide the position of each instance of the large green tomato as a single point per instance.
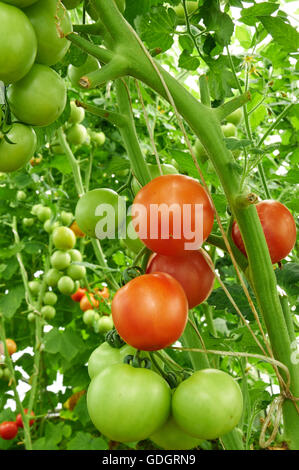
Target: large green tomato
(20, 3)
(229, 130)
(64, 238)
(39, 98)
(128, 404)
(15, 155)
(18, 44)
(208, 404)
(75, 73)
(235, 117)
(70, 4)
(167, 169)
(100, 201)
(91, 9)
(171, 437)
(105, 356)
(51, 21)
(77, 134)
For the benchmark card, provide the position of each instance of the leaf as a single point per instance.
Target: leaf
(85, 441)
(220, 301)
(288, 277)
(61, 163)
(249, 15)
(186, 61)
(244, 37)
(284, 34)
(53, 341)
(186, 42)
(10, 302)
(81, 411)
(157, 28)
(215, 20)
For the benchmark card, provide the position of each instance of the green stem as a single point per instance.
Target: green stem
(288, 317)
(114, 118)
(73, 162)
(264, 181)
(100, 53)
(189, 339)
(102, 261)
(204, 90)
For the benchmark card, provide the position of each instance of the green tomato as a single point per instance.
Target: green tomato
(235, 117)
(98, 138)
(50, 298)
(229, 130)
(31, 317)
(76, 272)
(77, 134)
(171, 437)
(64, 238)
(15, 155)
(21, 196)
(18, 44)
(52, 277)
(75, 73)
(105, 355)
(92, 11)
(77, 113)
(128, 404)
(66, 217)
(28, 222)
(50, 226)
(6, 374)
(51, 23)
(39, 98)
(34, 287)
(103, 225)
(44, 213)
(105, 324)
(75, 255)
(1, 373)
(154, 172)
(180, 12)
(70, 4)
(60, 260)
(35, 208)
(200, 151)
(89, 317)
(20, 3)
(48, 312)
(208, 404)
(66, 285)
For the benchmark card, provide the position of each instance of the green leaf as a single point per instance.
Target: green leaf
(186, 61)
(61, 163)
(81, 411)
(215, 20)
(157, 28)
(288, 277)
(10, 302)
(186, 42)
(53, 341)
(284, 34)
(249, 15)
(85, 441)
(244, 37)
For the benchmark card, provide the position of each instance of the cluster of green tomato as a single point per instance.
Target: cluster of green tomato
(4, 373)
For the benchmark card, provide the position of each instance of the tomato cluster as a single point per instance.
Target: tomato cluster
(9, 429)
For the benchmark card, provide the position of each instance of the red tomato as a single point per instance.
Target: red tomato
(183, 197)
(8, 430)
(191, 270)
(19, 421)
(85, 304)
(279, 228)
(104, 293)
(150, 312)
(77, 296)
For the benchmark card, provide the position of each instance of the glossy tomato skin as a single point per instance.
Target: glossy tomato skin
(19, 420)
(128, 404)
(191, 270)
(150, 312)
(167, 169)
(105, 356)
(39, 98)
(18, 44)
(15, 156)
(177, 191)
(45, 16)
(85, 304)
(171, 437)
(279, 228)
(208, 404)
(8, 430)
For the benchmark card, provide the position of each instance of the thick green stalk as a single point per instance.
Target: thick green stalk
(190, 339)
(73, 162)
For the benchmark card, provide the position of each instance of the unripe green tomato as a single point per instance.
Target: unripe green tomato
(98, 138)
(1, 373)
(31, 317)
(28, 222)
(52, 277)
(57, 149)
(235, 117)
(66, 285)
(34, 287)
(105, 355)
(50, 298)
(6, 374)
(180, 12)
(105, 324)
(77, 114)
(200, 151)
(48, 312)
(21, 196)
(75, 255)
(171, 437)
(76, 272)
(77, 134)
(64, 238)
(50, 226)
(35, 208)
(96, 322)
(66, 217)
(229, 130)
(75, 73)
(89, 317)
(154, 172)
(60, 260)
(44, 213)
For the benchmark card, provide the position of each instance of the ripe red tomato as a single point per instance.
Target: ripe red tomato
(85, 304)
(77, 296)
(19, 421)
(180, 198)
(104, 293)
(279, 228)
(8, 430)
(150, 312)
(191, 270)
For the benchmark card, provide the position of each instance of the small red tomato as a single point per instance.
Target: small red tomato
(104, 293)
(77, 296)
(85, 304)
(19, 420)
(8, 430)
(279, 229)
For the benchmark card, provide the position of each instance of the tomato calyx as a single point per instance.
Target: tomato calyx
(114, 340)
(137, 361)
(130, 273)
